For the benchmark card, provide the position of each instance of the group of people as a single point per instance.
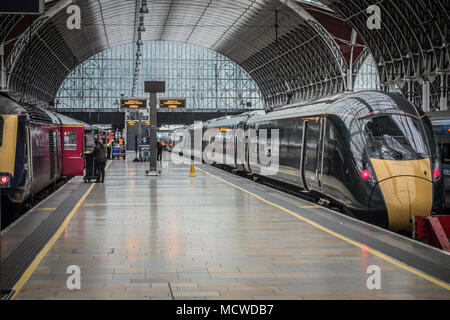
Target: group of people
(101, 154)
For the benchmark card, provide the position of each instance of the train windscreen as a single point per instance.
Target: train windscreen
(395, 137)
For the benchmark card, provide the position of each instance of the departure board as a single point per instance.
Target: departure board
(133, 103)
(172, 103)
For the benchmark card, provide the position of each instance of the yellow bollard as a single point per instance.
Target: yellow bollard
(192, 173)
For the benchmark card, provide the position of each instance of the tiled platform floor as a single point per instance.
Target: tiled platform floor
(172, 236)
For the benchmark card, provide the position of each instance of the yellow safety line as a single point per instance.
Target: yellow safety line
(309, 207)
(29, 271)
(45, 209)
(337, 235)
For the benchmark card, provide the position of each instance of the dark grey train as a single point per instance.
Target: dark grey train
(372, 153)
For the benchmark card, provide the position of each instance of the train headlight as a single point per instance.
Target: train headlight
(4, 180)
(436, 171)
(436, 174)
(365, 174)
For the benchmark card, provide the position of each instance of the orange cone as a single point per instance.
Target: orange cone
(192, 173)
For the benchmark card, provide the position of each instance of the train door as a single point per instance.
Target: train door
(72, 150)
(251, 145)
(312, 153)
(246, 149)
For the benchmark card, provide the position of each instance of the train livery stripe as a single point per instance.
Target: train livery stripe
(72, 126)
(9, 144)
(29, 271)
(339, 236)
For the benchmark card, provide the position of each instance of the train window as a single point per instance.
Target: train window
(1, 131)
(70, 140)
(395, 137)
(444, 148)
(332, 131)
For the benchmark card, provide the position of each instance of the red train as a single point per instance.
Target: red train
(37, 148)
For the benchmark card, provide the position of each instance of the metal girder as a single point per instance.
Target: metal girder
(291, 73)
(411, 48)
(242, 30)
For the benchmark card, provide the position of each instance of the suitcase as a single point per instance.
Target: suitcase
(89, 167)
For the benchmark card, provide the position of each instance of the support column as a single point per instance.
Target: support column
(426, 96)
(443, 103)
(153, 125)
(350, 64)
(153, 87)
(2, 69)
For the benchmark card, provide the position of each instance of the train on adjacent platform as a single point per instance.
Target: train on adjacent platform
(441, 127)
(373, 154)
(37, 149)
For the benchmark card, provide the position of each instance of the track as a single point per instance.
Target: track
(10, 213)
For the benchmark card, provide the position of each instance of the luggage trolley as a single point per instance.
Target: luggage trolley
(118, 151)
(144, 152)
(144, 149)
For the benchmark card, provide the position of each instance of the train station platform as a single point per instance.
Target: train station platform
(213, 236)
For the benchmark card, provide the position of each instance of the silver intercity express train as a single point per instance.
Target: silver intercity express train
(372, 153)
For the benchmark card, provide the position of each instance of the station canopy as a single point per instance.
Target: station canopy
(294, 50)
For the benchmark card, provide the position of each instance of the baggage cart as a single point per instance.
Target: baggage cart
(118, 151)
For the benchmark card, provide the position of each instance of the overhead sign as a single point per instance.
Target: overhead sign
(172, 103)
(22, 7)
(154, 86)
(133, 123)
(133, 103)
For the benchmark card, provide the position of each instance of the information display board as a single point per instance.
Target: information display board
(133, 103)
(172, 103)
(22, 7)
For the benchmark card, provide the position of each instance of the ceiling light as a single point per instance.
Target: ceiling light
(144, 8)
(141, 25)
(139, 41)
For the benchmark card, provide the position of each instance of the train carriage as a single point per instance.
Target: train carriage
(441, 126)
(372, 153)
(34, 149)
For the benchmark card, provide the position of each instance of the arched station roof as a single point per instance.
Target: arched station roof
(412, 46)
(306, 56)
(298, 59)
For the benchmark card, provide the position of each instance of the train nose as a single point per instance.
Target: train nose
(407, 189)
(406, 197)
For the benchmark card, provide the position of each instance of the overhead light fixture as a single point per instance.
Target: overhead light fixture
(144, 8)
(139, 41)
(141, 25)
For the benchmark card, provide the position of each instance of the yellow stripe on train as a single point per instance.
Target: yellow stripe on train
(9, 143)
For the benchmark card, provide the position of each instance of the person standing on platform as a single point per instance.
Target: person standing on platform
(99, 161)
(108, 148)
(159, 148)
